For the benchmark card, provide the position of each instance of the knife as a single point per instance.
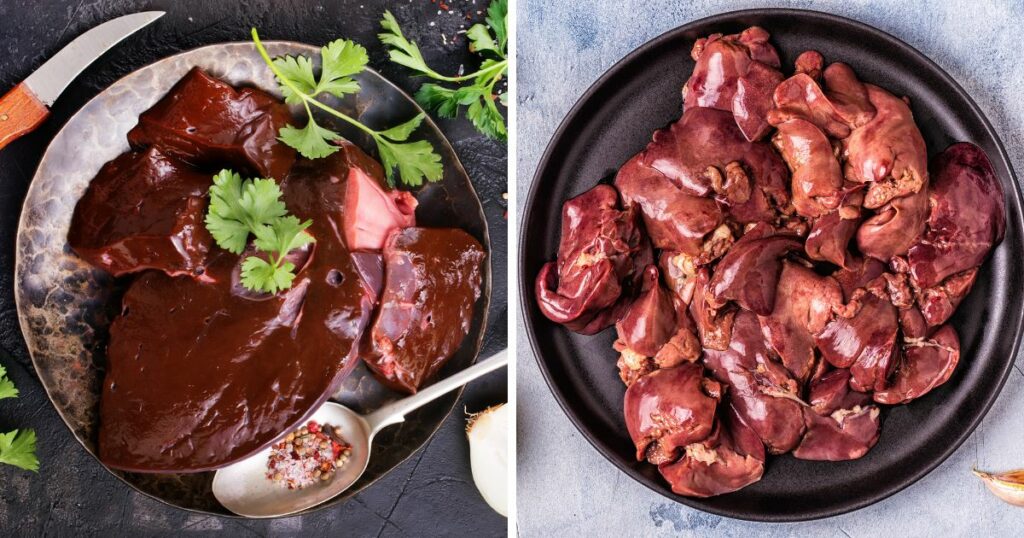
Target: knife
(26, 106)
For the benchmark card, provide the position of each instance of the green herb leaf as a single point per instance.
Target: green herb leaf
(486, 118)
(339, 60)
(7, 388)
(479, 96)
(282, 236)
(487, 73)
(225, 218)
(18, 448)
(261, 275)
(402, 51)
(298, 71)
(402, 131)
(497, 18)
(441, 100)
(261, 201)
(312, 141)
(413, 160)
(237, 207)
(480, 39)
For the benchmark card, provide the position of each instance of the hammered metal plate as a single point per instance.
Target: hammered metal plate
(65, 306)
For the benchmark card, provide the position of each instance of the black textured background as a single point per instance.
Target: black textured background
(432, 494)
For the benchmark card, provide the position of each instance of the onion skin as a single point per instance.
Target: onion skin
(488, 432)
(1008, 486)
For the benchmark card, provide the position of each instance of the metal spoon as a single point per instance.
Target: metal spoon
(244, 488)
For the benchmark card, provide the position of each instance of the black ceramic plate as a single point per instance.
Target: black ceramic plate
(65, 305)
(615, 119)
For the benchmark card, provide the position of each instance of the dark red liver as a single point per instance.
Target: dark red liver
(730, 459)
(761, 390)
(749, 272)
(144, 211)
(432, 281)
(735, 73)
(668, 409)
(210, 124)
(967, 216)
(600, 258)
(200, 375)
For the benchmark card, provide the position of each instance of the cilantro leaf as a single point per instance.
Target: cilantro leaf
(402, 51)
(413, 160)
(298, 71)
(237, 207)
(312, 141)
(283, 235)
(497, 18)
(479, 96)
(7, 389)
(441, 100)
(480, 39)
(486, 118)
(259, 274)
(402, 131)
(261, 200)
(18, 448)
(340, 59)
(481, 110)
(225, 217)
(487, 73)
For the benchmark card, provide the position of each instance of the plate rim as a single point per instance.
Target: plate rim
(525, 291)
(483, 302)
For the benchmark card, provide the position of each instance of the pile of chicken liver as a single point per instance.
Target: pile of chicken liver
(777, 264)
(202, 372)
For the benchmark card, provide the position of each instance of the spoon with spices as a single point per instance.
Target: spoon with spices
(324, 456)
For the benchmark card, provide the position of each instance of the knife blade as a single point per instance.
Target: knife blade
(27, 105)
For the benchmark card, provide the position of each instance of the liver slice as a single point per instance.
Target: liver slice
(143, 211)
(432, 282)
(202, 374)
(207, 123)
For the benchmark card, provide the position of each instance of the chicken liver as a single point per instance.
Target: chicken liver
(669, 409)
(735, 73)
(967, 217)
(600, 257)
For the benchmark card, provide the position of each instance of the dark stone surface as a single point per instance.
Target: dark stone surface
(431, 494)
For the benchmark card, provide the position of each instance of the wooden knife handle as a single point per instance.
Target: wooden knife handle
(20, 113)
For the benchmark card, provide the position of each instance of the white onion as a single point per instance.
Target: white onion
(488, 455)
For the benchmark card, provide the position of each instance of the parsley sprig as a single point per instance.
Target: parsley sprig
(17, 447)
(7, 388)
(240, 208)
(340, 61)
(490, 42)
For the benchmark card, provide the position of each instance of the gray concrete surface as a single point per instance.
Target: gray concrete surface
(566, 488)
